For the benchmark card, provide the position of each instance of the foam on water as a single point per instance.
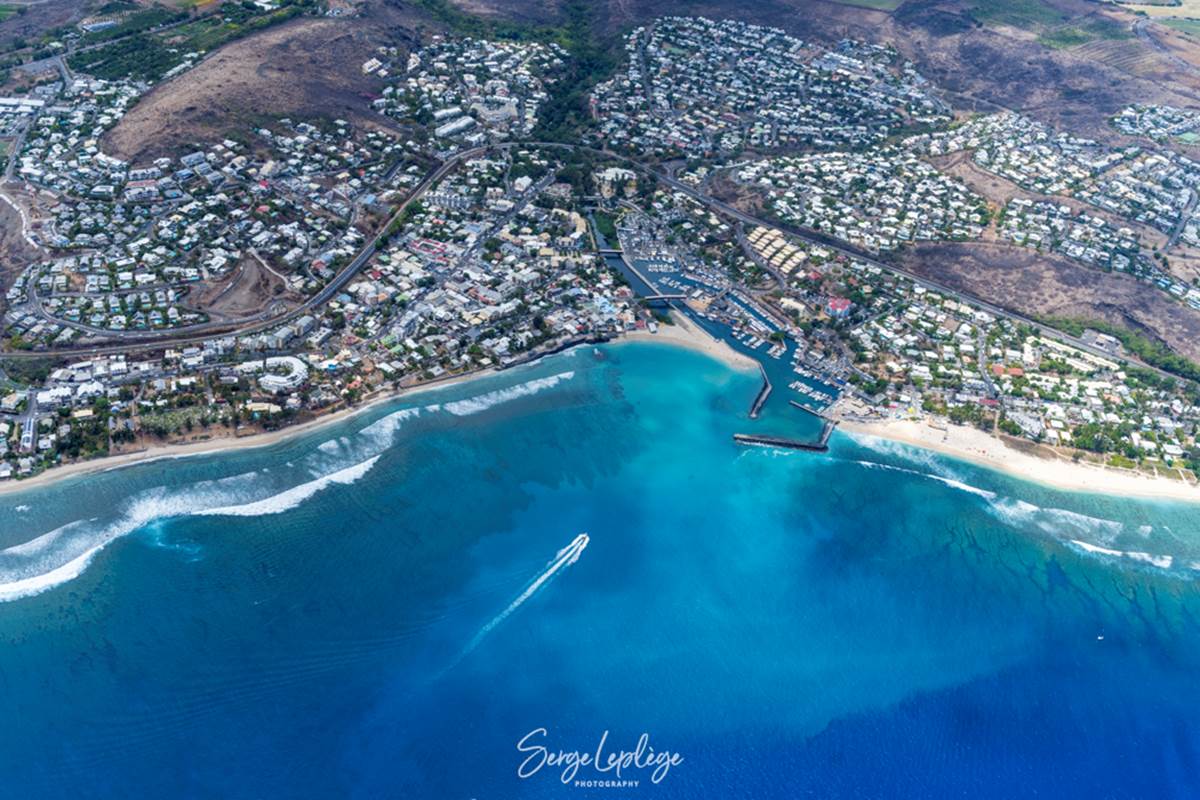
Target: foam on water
(1058, 522)
(1094, 535)
(333, 445)
(382, 431)
(285, 501)
(951, 482)
(890, 447)
(36, 584)
(62, 554)
(1160, 561)
(481, 403)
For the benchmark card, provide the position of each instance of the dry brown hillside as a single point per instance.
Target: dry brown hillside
(306, 68)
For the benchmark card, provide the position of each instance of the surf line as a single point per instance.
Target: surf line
(564, 558)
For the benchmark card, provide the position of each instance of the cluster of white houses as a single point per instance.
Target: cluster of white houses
(879, 200)
(698, 87)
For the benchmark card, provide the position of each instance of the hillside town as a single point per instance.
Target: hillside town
(698, 88)
(307, 266)
(473, 91)
(890, 348)
(1136, 193)
(878, 201)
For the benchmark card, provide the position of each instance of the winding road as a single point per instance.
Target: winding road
(198, 334)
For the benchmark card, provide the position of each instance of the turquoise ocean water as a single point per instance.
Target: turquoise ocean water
(385, 607)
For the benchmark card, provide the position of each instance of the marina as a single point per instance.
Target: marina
(794, 395)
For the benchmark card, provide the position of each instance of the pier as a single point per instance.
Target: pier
(821, 445)
(806, 407)
(763, 393)
(778, 441)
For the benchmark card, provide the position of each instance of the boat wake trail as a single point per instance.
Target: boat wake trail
(564, 558)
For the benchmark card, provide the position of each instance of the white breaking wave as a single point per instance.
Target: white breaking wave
(65, 552)
(564, 558)
(1162, 562)
(36, 584)
(1060, 523)
(383, 430)
(21, 509)
(890, 447)
(333, 445)
(1056, 521)
(956, 484)
(285, 501)
(475, 405)
(62, 554)
(1094, 535)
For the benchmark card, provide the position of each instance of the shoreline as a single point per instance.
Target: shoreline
(684, 333)
(969, 444)
(219, 444)
(984, 450)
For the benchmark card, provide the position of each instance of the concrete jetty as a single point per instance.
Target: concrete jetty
(821, 445)
(763, 393)
(779, 441)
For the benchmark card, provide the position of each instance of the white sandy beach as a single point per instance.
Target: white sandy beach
(978, 447)
(686, 333)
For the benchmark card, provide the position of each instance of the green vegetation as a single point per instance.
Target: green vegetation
(1008, 426)
(411, 210)
(212, 31)
(1025, 14)
(140, 57)
(115, 7)
(606, 224)
(1086, 31)
(7, 11)
(148, 56)
(594, 56)
(138, 22)
(1153, 353)
(464, 24)
(1188, 26)
(29, 371)
(879, 5)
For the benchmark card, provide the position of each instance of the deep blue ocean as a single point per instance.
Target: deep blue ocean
(386, 606)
